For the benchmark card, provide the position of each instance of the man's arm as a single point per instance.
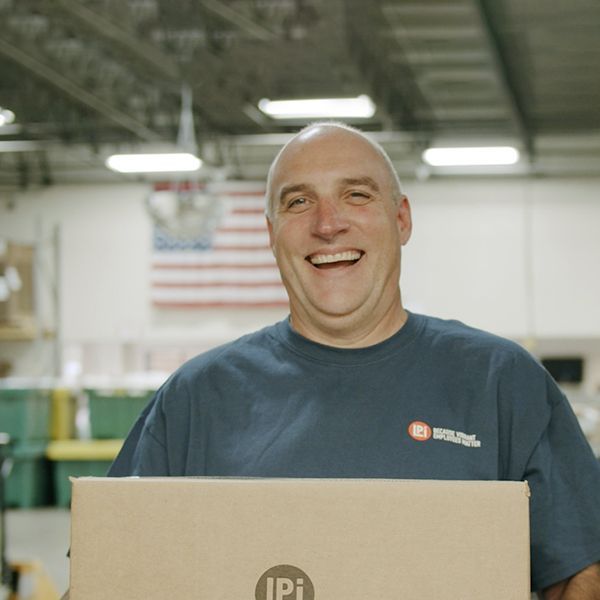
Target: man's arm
(584, 585)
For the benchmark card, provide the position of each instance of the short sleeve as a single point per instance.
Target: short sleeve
(143, 453)
(564, 477)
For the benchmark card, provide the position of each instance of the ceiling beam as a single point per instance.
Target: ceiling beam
(108, 29)
(147, 53)
(505, 76)
(427, 57)
(435, 32)
(392, 83)
(421, 10)
(76, 92)
(242, 22)
(19, 146)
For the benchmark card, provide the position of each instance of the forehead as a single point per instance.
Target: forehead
(333, 154)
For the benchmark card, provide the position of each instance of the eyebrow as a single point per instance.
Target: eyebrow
(292, 189)
(365, 181)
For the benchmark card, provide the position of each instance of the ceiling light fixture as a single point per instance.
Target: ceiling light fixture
(361, 107)
(6, 116)
(184, 158)
(153, 163)
(473, 156)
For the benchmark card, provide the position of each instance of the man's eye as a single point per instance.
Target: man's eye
(358, 196)
(296, 202)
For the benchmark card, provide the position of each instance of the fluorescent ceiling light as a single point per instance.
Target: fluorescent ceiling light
(19, 146)
(464, 157)
(359, 107)
(6, 116)
(153, 163)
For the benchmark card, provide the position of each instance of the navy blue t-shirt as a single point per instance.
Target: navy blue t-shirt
(438, 400)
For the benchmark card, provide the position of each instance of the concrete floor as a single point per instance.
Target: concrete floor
(42, 535)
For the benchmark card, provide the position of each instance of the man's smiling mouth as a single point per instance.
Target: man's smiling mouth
(339, 259)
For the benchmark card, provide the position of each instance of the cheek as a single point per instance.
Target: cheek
(287, 234)
(380, 227)
(282, 240)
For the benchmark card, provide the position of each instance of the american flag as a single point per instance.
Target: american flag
(228, 267)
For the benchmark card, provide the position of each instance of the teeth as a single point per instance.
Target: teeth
(321, 259)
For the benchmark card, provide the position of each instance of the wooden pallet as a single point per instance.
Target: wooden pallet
(32, 582)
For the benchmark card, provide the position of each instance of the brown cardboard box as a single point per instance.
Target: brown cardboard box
(19, 304)
(298, 539)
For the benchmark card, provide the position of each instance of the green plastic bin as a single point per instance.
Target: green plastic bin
(79, 458)
(113, 413)
(29, 481)
(25, 414)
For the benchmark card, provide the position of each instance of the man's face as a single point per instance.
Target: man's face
(336, 230)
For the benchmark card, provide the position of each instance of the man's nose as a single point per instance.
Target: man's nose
(329, 219)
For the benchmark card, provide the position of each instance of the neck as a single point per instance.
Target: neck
(345, 331)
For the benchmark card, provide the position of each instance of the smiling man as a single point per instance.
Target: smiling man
(337, 220)
(353, 385)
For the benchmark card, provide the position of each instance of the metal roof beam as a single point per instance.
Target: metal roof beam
(106, 28)
(505, 76)
(436, 32)
(76, 92)
(240, 21)
(428, 57)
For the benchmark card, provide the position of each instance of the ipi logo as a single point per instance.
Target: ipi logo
(284, 582)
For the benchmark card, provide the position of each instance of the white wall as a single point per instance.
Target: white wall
(518, 257)
(467, 255)
(566, 249)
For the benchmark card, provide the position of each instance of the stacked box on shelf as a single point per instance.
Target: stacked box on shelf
(112, 413)
(79, 458)
(24, 416)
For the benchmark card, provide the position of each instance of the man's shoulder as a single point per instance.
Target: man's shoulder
(245, 348)
(455, 335)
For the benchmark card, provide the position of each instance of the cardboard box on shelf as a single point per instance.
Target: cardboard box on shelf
(298, 539)
(17, 311)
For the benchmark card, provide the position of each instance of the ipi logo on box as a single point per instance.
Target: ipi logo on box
(284, 582)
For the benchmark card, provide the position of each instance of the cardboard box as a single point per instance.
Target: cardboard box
(298, 539)
(18, 261)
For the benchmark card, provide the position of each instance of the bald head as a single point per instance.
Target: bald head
(334, 134)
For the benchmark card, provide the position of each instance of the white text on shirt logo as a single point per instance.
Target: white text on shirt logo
(423, 432)
(456, 437)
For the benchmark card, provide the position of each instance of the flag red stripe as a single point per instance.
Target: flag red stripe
(162, 186)
(244, 194)
(241, 284)
(247, 211)
(224, 303)
(213, 266)
(239, 247)
(241, 230)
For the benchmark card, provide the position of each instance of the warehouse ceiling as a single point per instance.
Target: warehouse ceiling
(87, 78)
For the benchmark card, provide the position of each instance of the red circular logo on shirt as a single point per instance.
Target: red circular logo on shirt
(419, 431)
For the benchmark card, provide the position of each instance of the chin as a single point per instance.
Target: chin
(336, 309)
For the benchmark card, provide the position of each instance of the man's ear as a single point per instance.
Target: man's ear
(404, 219)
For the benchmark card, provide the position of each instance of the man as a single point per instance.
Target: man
(352, 385)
